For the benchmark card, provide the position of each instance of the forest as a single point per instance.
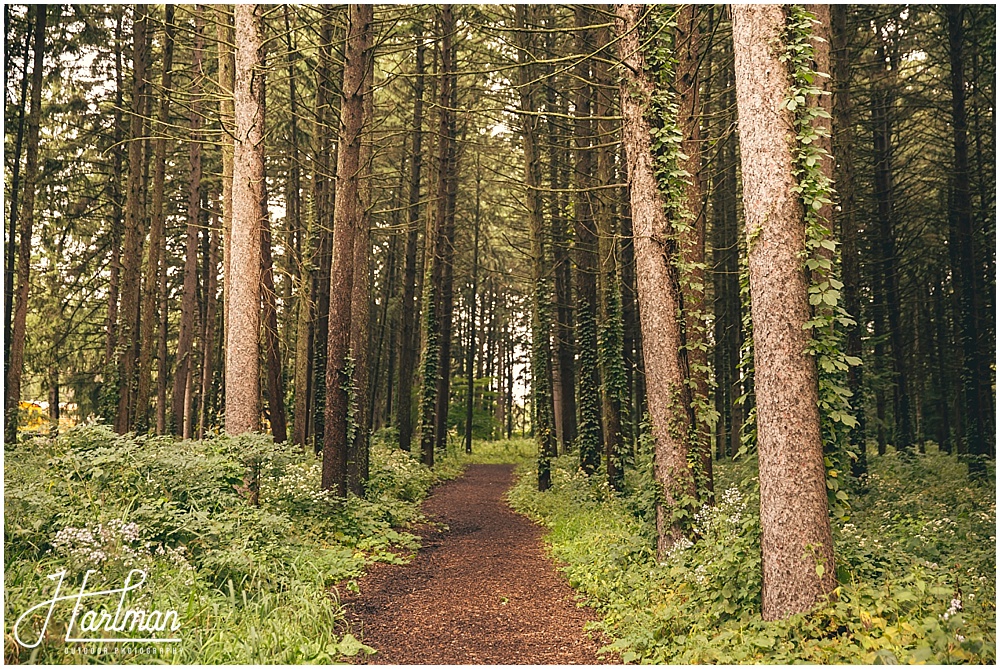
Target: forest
(684, 313)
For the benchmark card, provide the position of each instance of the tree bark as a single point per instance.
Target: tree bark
(357, 457)
(185, 368)
(796, 541)
(658, 291)
(541, 354)
(348, 218)
(324, 197)
(609, 309)
(12, 392)
(691, 242)
(226, 85)
(446, 254)
(589, 434)
(302, 273)
(208, 330)
(404, 401)
(156, 264)
(12, 247)
(242, 352)
(471, 352)
(976, 373)
(128, 327)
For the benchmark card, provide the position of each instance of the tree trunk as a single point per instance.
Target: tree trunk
(208, 330)
(691, 241)
(609, 310)
(976, 373)
(272, 344)
(446, 254)
(404, 401)
(541, 355)
(471, 352)
(301, 271)
(796, 541)
(156, 264)
(11, 257)
(324, 163)
(357, 456)
(185, 358)
(226, 84)
(12, 391)
(589, 435)
(348, 218)
(128, 328)
(242, 351)
(843, 148)
(658, 291)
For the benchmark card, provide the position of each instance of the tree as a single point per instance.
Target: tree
(128, 327)
(589, 432)
(541, 354)
(244, 278)
(156, 265)
(404, 402)
(796, 541)
(975, 372)
(692, 238)
(27, 221)
(348, 217)
(658, 291)
(185, 361)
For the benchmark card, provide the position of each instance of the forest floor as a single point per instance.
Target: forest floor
(480, 590)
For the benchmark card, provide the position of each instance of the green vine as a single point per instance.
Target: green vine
(673, 180)
(829, 319)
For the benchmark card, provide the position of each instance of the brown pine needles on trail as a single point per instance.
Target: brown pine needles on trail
(481, 591)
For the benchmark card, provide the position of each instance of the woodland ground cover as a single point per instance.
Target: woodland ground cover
(250, 584)
(915, 563)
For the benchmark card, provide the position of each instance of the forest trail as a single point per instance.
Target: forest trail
(480, 592)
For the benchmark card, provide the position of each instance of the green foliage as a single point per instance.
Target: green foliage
(915, 567)
(828, 318)
(251, 584)
(588, 397)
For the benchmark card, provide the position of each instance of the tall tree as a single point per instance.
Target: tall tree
(407, 353)
(185, 360)
(691, 243)
(614, 391)
(156, 264)
(10, 259)
(474, 288)
(128, 328)
(976, 373)
(243, 303)
(668, 394)
(541, 355)
(796, 541)
(348, 217)
(12, 392)
(589, 432)
(448, 181)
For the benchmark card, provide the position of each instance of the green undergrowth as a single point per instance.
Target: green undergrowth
(249, 584)
(916, 565)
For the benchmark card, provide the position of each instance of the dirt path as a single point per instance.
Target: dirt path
(481, 592)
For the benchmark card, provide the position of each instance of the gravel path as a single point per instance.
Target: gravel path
(480, 592)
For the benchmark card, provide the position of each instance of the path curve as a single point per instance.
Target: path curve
(480, 592)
